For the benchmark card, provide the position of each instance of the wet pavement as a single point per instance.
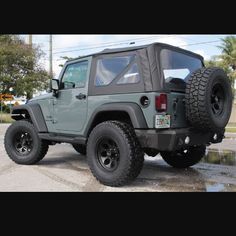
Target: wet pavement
(65, 170)
(220, 157)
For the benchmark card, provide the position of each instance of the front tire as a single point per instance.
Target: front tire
(23, 144)
(184, 158)
(80, 148)
(114, 155)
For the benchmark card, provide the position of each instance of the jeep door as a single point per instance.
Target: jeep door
(70, 106)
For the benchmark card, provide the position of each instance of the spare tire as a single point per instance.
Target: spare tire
(208, 99)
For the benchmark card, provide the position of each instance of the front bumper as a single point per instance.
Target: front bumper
(175, 139)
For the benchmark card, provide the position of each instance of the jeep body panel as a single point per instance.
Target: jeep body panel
(70, 112)
(35, 113)
(141, 117)
(65, 116)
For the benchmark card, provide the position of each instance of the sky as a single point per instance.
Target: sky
(79, 45)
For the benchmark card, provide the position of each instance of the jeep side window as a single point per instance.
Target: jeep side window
(109, 68)
(131, 77)
(75, 75)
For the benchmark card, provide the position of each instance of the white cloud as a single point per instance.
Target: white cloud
(202, 53)
(175, 41)
(67, 41)
(74, 42)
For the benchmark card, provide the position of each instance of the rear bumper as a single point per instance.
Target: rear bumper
(175, 139)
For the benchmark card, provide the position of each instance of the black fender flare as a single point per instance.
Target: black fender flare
(36, 115)
(132, 109)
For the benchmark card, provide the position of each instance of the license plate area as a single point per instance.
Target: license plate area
(162, 121)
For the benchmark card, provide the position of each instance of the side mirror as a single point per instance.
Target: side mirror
(55, 84)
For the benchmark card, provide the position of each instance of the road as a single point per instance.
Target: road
(65, 170)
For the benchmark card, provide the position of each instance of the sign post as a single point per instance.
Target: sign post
(5, 97)
(1, 112)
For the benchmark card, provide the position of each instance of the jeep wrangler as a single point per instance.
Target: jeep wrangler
(117, 105)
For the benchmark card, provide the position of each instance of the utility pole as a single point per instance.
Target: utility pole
(50, 56)
(30, 40)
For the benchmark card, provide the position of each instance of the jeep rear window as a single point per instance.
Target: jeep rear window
(109, 68)
(177, 67)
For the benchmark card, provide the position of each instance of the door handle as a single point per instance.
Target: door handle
(81, 96)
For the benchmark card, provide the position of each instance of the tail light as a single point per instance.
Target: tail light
(161, 102)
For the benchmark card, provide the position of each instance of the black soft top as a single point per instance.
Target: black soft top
(149, 65)
(135, 48)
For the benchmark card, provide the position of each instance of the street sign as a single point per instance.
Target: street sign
(6, 97)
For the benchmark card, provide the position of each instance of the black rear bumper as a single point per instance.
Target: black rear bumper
(175, 139)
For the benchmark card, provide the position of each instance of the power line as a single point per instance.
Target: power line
(108, 45)
(200, 43)
(89, 48)
(186, 45)
(123, 41)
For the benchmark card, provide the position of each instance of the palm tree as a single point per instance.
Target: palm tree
(228, 48)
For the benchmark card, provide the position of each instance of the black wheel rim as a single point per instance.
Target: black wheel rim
(182, 153)
(217, 100)
(23, 143)
(108, 154)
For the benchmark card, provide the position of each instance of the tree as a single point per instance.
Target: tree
(228, 47)
(21, 73)
(228, 56)
(227, 59)
(67, 59)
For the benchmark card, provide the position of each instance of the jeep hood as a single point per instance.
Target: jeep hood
(41, 97)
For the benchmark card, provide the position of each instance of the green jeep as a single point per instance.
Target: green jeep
(117, 105)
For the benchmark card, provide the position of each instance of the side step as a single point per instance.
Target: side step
(63, 138)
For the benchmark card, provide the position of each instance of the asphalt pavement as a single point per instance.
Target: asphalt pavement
(63, 169)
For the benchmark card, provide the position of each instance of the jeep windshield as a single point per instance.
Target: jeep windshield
(177, 68)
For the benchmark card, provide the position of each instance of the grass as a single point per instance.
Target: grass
(5, 118)
(231, 125)
(231, 129)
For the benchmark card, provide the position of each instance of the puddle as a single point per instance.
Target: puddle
(220, 157)
(215, 187)
(220, 187)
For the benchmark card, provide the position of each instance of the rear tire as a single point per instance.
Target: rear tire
(80, 148)
(115, 156)
(184, 158)
(151, 152)
(23, 144)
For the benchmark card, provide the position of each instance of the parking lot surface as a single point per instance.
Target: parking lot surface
(63, 169)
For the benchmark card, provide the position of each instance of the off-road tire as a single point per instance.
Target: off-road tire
(184, 158)
(201, 102)
(131, 156)
(80, 148)
(39, 147)
(151, 152)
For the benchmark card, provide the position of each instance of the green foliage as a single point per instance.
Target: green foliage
(227, 59)
(65, 58)
(228, 48)
(20, 71)
(5, 118)
(5, 108)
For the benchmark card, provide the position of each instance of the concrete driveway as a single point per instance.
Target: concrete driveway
(65, 170)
